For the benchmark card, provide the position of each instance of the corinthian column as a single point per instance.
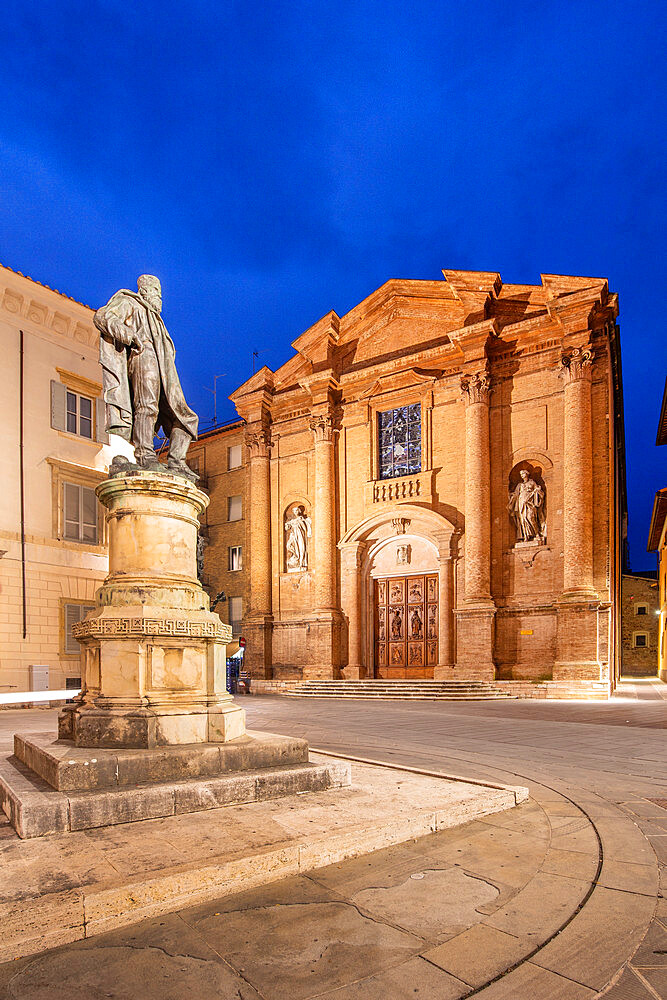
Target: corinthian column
(351, 559)
(476, 391)
(324, 527)
(578, 475)
(259, 512)
(474, 636)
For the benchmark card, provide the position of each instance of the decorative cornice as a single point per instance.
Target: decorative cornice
(577, 364)
(476, 388)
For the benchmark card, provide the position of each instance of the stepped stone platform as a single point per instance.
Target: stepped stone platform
(400, 690)
(52, 786)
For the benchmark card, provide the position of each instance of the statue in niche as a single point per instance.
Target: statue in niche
(526, 507)
(298, 530)
(142, 390)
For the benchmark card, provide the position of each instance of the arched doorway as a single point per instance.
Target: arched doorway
(398, 594)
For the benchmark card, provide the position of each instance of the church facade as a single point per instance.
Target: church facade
(435, 487)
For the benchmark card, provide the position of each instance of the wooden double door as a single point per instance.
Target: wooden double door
(406, 626)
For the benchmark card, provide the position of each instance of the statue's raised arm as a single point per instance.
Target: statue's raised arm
(142, 390)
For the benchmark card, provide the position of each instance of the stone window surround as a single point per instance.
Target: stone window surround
(644, 609)
(391, 401)
(639, 645)
(82, 386)
(62, 472)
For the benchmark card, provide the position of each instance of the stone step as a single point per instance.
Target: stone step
(69, 768)
(34, 808)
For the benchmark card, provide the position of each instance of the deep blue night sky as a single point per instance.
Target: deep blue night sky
(273, 161)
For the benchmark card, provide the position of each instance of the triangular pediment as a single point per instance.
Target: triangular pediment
(400, 380)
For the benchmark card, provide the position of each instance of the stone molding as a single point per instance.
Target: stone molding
(476, 388)
(577, 364)
(176, 628)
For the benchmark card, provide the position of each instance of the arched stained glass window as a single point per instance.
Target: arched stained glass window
(400, 441)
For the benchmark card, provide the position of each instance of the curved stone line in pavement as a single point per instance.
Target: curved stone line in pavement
(538, 970)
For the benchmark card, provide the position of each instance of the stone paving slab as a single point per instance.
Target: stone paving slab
(68, 886)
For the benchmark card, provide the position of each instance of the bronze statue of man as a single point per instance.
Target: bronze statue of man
(142, 390)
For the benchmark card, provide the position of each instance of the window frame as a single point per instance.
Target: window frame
(231, 549)
(379, 446)
(82, 524)
(62, 472)
(419, 392)
(644, 608)
(640, 635)
(76, 413)
(230, 498)
(230, 449)
(234, 622)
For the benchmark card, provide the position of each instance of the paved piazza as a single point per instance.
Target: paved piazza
(558, 898)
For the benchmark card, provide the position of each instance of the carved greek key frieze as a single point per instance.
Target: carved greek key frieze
(101, 628)
(577, 364)
(476, 388)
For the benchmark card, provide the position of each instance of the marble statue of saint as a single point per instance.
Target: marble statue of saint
(526, 509)
(142, 390)
(297, 528)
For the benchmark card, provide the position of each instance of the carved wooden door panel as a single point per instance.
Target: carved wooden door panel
(406, 626)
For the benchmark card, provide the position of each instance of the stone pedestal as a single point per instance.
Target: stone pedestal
(153, 656)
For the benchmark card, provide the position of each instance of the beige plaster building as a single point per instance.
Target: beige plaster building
(435, 487)
(657, 542)
(54, 451)
(640, 611)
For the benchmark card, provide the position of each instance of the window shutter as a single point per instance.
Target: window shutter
(72, 616)
(101, 421)
(58, 405)
(89, 512)
(71, 505)
(234, 458)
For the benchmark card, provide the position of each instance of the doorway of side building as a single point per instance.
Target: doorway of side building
(406, 626)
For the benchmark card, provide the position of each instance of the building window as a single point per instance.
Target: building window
(235, 614)
(641, 609)
(79, 415)
(73, 613)
(234, 508)
(640, 640)
(235, 557)
(79, 513)
(400, 441)
(234, 457)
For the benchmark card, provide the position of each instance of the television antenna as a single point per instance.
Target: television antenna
(214, 391)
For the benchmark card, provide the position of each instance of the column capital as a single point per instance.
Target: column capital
(258, 441)
(324, 427)
(476, 388)
(576, 364)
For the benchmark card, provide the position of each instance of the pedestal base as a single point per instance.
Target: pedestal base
(135, 727)
(57, 788)
(474, 643)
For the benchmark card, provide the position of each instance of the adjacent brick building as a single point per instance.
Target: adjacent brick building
(219, 457)
(640, 625)
(382, 458)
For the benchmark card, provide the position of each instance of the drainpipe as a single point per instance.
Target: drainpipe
(25, 617)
